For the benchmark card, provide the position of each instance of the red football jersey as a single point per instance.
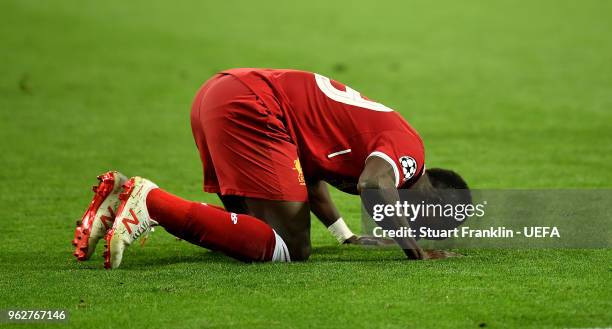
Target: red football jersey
(335, 128)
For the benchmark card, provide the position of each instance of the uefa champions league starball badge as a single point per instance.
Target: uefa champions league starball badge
(409, 166)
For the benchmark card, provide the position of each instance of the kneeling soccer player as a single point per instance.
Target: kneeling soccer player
(269, 140)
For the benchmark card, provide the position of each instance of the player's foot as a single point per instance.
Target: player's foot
(99, 217)
(131, 222)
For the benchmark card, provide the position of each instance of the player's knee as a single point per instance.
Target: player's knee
(300, 253)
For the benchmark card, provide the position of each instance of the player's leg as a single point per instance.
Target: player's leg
(290, 219)
(240, 236)
(144, 205)
(270, 228)
(234, 203)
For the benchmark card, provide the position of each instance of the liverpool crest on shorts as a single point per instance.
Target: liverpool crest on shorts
(298, 167)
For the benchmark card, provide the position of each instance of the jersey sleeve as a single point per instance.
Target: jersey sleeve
(404, 152)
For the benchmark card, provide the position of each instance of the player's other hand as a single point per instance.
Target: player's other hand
(368, 241)
(438, 254)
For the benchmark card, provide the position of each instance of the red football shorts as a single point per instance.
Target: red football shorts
(244, 146)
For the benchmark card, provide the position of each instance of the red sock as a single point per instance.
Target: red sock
(243, 237)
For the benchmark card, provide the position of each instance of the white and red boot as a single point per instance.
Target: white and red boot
(131, 222)
(99, 216)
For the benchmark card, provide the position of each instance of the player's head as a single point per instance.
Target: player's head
(448, 186)
(442, 187)
(445, 179)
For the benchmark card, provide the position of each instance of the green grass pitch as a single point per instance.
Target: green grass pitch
(511, 94)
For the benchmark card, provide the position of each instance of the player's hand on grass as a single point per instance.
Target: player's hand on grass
(368, 241)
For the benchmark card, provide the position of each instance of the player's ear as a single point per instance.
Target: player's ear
(377, 174)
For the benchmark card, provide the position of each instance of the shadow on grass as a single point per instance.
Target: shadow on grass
(205, 256)
(319, 255)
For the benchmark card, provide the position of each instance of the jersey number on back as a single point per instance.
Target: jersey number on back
(349, 97)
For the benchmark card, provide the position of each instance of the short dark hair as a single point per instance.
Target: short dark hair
(448, 188)
(445, 179)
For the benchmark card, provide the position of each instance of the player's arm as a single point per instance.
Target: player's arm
(324, 208)
(378, 176)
